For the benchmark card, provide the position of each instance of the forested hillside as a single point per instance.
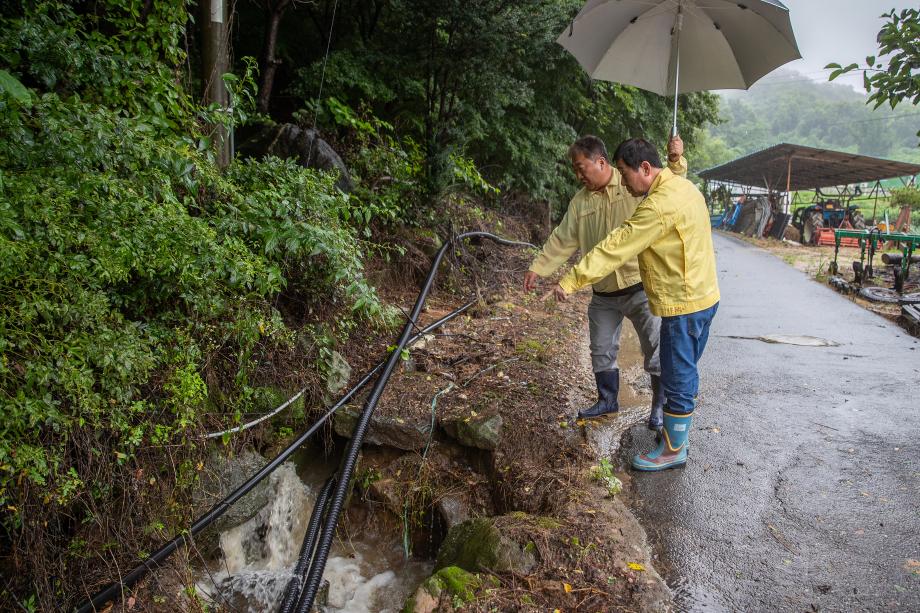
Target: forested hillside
(149, 295)
(791, 107)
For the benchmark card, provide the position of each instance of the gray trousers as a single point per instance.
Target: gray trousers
(605, 317)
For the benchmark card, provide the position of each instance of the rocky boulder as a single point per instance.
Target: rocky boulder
(288, 140)
(482, 544)
(389, 430)
(451, 583)
(482, 431)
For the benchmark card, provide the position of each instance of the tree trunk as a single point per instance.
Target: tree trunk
(270, 63)
(215, 63)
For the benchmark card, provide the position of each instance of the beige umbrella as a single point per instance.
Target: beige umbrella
(679, 46)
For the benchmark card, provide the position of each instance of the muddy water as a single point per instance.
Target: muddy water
(368, 573)
(604, 434)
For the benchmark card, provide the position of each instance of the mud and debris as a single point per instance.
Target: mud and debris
(502, 387)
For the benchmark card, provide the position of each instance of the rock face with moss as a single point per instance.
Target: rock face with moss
(457, 584)
(389, 430)
(480, 544)
(479, 431)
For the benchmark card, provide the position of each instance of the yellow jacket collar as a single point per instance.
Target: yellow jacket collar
(663, 176)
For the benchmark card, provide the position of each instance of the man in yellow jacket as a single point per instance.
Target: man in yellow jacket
(595, 211)
(671, 235)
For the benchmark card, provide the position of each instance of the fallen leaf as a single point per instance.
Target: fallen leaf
(635, 566)
(567, 587)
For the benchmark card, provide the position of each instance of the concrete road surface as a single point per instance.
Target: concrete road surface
(803, 488)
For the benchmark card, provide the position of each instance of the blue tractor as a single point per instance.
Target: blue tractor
(809, 220)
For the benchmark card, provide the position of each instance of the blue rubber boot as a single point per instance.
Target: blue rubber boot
(608, 387)
(672, 449)
(656, 415)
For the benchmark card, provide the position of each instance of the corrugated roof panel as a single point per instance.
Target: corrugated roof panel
(806, 168)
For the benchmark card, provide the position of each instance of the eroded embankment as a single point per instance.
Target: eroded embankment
(507, 493)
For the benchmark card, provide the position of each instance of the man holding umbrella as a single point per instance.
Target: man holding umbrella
(596, 210)
(670, 233)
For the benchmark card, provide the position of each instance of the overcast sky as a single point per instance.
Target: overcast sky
(841, 31)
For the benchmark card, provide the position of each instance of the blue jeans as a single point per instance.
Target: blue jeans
(683, 339)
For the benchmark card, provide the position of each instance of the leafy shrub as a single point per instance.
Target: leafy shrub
(140, 286)
(905, 196)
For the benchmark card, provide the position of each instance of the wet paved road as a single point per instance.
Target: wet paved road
(803, 488)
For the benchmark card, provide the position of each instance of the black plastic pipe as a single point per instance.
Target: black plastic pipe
(354, 446)
(115, 590)
(294, 587)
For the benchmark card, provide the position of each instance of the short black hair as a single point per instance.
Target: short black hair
(634, 151)
(589, 146)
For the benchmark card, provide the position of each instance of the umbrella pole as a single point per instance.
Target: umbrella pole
(678, 23)
(676, 80)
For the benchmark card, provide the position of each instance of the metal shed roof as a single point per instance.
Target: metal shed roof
(806, 168)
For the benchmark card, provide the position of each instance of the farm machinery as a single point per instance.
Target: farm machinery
(816, 223)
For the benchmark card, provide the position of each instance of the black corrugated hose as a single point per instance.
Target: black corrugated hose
(295, 585)
(115, 590)
(315, 574)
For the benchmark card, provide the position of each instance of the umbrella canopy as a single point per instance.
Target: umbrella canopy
(714, 44)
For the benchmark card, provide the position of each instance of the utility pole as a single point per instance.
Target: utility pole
(215, 54)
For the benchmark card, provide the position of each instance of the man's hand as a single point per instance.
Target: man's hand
(675, 148)
(530, 281)
(556, 292)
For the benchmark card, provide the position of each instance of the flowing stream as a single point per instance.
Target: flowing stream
(369, 573)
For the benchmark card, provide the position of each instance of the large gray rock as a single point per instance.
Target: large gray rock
(223, 475)
(482, 545)
(454, 509)
(288, 140)
(339, 373)
(481, 431)
(389, 430)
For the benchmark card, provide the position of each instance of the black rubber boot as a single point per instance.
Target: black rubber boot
(656, 415)
(608, 387)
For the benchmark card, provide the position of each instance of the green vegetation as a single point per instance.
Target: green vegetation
(603, 474)
(788, 107)
(148, 295)
(140, 287)
(906, 196)
(460, 81)
(892, 79)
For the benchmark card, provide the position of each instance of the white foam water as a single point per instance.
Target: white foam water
(259, 555)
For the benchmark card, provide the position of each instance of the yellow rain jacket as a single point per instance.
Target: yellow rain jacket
(671, 234)
(591, 216)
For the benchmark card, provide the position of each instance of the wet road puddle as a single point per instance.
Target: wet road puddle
(784, 339)
(603, 434)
